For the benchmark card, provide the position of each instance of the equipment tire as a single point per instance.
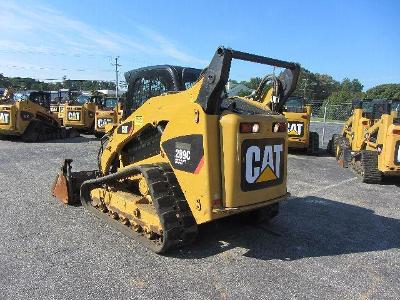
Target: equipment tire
(343, 152)
(331, 144)
(313, 146)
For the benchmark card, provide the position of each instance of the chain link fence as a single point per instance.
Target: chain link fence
(329, 118)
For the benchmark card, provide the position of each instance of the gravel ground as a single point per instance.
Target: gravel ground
(336, 238)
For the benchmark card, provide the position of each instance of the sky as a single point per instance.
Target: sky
(47, 39)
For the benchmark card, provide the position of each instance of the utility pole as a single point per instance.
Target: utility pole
(116, 76)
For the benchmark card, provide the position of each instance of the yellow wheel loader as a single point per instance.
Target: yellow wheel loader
(28, 115)
(80, 113)
(108, 112)
(370, 141)
(187, 156)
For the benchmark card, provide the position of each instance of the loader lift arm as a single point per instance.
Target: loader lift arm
(217, 75)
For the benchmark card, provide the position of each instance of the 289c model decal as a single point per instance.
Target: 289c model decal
(185, 152)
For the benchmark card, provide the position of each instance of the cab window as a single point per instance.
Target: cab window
(295, 104)
(146, 88)
(110, 102)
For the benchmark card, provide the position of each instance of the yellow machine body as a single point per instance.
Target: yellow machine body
(58, 110)
(186, 157)
(299, 128)
(106, 116)
(214, 189)
(375, 134)
(80, 117)
(15, 117)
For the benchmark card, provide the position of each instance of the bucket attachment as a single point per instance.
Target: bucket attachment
(67, 184)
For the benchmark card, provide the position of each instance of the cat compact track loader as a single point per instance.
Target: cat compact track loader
(188, 156)
(27, 114)
(108, 112)
(80, 113)
(298, 115)
(57, 105)
(370, 141)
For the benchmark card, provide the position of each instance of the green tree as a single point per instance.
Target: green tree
(253, 83)
(384, 91)
(315, 85)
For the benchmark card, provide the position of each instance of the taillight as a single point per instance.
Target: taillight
(97, 113)
(279, 127)
(396, 131)
(112, 113)
(249, 127)
(305, 117)
(217, 203)
(365, 123)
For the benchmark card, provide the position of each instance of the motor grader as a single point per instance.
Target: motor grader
(370, 141)
(80, 113)
(27, 114)
(187, 156)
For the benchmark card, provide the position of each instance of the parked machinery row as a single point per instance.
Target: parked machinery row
(38, 116)
(27, 115)
(182, 152)
(88, 112)
(369, 143)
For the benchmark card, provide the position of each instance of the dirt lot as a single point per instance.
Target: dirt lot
(336, 238)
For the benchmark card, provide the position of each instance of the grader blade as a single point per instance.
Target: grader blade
(67, 184)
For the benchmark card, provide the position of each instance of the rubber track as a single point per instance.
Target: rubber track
(369, 163)
(178, 223)
(41, 131)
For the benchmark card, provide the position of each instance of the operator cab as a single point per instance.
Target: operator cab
(109, 103)
(41, 98)
(83, 99)
(152, 81)
(373, 109)
(296, 105)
